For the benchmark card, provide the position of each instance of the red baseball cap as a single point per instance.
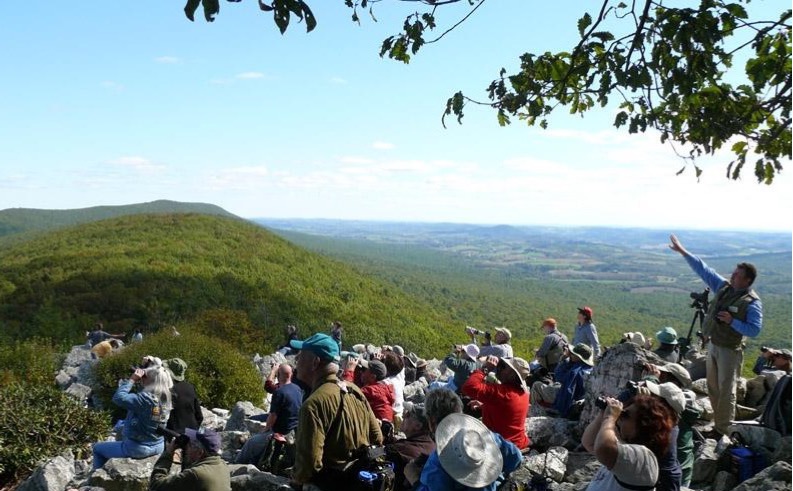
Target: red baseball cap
(587, 311)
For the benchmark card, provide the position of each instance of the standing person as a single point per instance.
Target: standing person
(334, 421)
(203, 469)
(504, 405)
(186, 411)
(137, 336)
(735, 312)
(336, 332)
(553, 345)
(586, 332)
(146, 410)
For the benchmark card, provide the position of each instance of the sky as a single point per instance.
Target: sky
(112, 103)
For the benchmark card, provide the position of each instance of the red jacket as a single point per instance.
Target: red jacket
(504, 407)
(381, 397)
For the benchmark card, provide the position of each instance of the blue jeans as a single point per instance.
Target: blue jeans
(104, 451)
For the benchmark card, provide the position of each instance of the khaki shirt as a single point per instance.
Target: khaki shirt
(325, 437)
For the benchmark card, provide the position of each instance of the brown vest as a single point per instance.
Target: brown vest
(736, 302)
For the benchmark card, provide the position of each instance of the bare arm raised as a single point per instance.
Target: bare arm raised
(676, 246)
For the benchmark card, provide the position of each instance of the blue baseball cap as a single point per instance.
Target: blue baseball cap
(320, 344)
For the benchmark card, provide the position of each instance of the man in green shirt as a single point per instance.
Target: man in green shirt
(203, 469)
(334, 421)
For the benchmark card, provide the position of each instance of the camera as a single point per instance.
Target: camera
(181, 439)
(601, 403)
(700, 299)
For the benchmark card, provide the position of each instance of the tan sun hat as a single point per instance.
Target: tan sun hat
(467, 450)
(505, 331)
(671, 393)
(677, 371)
(521, 368)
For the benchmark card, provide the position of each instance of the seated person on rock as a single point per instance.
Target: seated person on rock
(417, 444)
(679, 376)
(462, 361)
(498, 345)
(570, 374)
(395, 376)
(146, 411)
(770, 367)
(629, 441)
(202, 467)
(379, 393)
(98, 335)
(550, 352)
(467, 456)
(105, 348)
(504, 405)
(282, 419)
(668, 349)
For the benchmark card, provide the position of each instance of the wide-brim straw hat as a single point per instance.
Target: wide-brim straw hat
(467, 450)
(521, 368)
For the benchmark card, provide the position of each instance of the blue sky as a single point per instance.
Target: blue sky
(113, 103)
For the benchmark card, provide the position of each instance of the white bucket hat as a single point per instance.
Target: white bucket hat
(472, 351)
(467, 450)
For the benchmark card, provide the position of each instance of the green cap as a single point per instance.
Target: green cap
(320, 344)
(667, 335)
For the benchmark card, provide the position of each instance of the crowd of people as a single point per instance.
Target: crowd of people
(343, 413)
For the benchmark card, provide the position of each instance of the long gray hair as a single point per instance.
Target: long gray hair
(159, 383)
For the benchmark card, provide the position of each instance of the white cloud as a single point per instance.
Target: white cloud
(337, 81)
(352, 159)
(249, 75)
(138, 164)
(239, 178)
(168, 60)
(381, 145)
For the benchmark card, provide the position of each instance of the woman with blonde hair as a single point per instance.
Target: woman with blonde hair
(147, 409)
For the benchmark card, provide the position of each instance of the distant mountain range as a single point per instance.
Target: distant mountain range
(21, 220)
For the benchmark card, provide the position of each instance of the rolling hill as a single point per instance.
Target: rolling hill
(225, 276)
(20, 220)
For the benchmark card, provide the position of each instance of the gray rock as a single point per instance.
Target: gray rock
(53, 475)
(616, 367)
(724, 481)
(257, 481)
(783, 452)
(78, 356)
(253, 426)
(581, 467)
(552, 464)
(241, 411)
(63, 379)
(740, 389)
(79, 391)
(707, 408)
(700, 386)
(774, 478)
(415, 392)
(705, 463)
(223, 413)
(242, 470)
(231, 443)
(744, 413)
(124, 474)
(546, 432)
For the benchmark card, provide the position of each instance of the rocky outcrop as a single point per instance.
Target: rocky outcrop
(241, 411)
(774, 478)
(124, 474)
(53, 475)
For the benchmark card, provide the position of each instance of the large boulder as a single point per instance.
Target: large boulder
(53, 475)
(546, 432)
(763, 440)
(240, 412)
(724, 481)
(705, 463)
(257, 481)
(617, 366)
(124, 474)
(80, 392)
(78, 356)
(774, 478)
(581, 468)
(551, 464)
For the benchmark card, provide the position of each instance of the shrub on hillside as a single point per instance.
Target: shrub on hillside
(222, 376)
(33, 361)
(39, 421)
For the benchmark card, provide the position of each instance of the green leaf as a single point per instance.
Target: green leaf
(583, 23)
(190, 8)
